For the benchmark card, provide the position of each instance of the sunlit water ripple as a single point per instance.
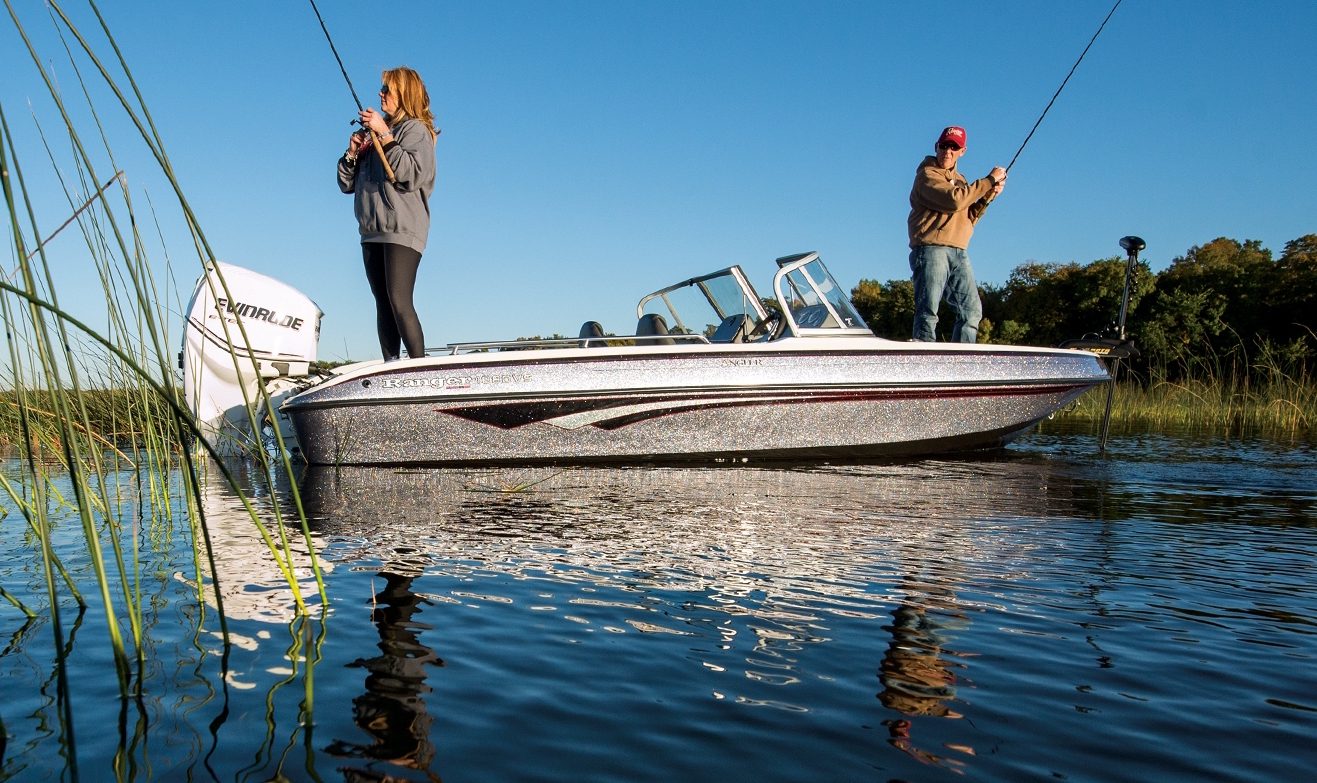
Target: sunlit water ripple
(1041, 614)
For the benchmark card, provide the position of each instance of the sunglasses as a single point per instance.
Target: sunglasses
(384, 90)
(946, 145)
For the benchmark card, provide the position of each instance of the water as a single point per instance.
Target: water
(1039, 614)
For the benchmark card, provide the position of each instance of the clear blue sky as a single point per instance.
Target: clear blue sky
(593, 152)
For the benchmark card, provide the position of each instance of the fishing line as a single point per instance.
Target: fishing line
(375, 139)
(340, 59)
(1049, 103)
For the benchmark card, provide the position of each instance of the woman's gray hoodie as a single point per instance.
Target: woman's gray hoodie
(398, 212)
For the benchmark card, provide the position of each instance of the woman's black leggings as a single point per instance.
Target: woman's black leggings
(391, 270)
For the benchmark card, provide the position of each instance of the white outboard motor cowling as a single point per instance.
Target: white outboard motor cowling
(283, 329)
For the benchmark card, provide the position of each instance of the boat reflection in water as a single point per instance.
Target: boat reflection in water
(784, 550)
(392, 710)
(758, 567)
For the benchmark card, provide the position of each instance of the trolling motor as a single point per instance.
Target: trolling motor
(1119, 347)
(1132, 245)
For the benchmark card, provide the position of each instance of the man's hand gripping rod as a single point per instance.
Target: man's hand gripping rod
(375, 139)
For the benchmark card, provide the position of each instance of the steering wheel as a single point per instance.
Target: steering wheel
(768, 329)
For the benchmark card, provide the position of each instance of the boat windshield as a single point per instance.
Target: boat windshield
(722, 306)
(812, 297)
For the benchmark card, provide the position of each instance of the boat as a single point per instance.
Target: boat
(712, 372)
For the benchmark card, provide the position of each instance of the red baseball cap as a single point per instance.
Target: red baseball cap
(954, 134)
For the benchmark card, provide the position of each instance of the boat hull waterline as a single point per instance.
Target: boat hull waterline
(657, 403)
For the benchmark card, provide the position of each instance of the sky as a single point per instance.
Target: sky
(593, 152)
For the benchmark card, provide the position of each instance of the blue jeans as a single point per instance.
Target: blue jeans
(944, 272)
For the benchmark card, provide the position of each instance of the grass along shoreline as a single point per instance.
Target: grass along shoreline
(1280, 408)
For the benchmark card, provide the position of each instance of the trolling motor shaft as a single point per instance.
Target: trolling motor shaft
(1131, 245)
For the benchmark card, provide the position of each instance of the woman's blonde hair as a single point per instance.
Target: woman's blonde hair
(413, 101)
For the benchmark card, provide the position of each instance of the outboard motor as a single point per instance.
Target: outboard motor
(283, 329)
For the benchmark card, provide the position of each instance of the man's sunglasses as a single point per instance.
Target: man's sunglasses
(946, 145)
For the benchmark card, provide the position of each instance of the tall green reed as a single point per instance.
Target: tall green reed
(103, 409)
(1271, 393)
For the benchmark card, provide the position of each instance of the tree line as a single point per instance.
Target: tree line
(1223, 308)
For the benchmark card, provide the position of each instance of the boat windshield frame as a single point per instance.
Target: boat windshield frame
(747, 291)
(794, 263)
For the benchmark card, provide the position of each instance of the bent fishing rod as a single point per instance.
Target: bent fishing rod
(1058, 89)
(375, 139)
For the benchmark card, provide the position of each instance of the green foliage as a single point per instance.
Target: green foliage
(1292, 296)
(889, 310)
(1234, 277)
(1222, 298)
(1010, 333)
(1224, 306)
(532, 339)
(1180, 326)
(1043, 304)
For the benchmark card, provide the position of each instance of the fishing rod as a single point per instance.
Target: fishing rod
(375, 139)
(1058, 89)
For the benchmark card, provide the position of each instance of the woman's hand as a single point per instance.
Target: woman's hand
(372, 120)
(357, 142)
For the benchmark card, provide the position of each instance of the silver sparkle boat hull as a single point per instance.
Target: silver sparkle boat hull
(812, 397)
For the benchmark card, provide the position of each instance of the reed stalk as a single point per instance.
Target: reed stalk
(154, 142)
(86, 405)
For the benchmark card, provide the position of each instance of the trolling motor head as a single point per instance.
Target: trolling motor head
(1132, 245)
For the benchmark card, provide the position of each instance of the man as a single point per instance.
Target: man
(943, 211)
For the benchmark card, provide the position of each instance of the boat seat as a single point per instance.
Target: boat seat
(592, 329)
(732, 329)
(653, 324)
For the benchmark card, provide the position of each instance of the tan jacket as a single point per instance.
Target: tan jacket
(944, 207)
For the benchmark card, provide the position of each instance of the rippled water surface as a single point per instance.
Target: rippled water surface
(1038, 614)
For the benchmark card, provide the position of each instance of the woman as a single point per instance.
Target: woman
(394, 217)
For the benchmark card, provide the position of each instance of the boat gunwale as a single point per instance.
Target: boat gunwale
(1008, 387)
(635, 352)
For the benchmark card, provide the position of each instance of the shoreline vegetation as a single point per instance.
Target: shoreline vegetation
(1283, 411)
